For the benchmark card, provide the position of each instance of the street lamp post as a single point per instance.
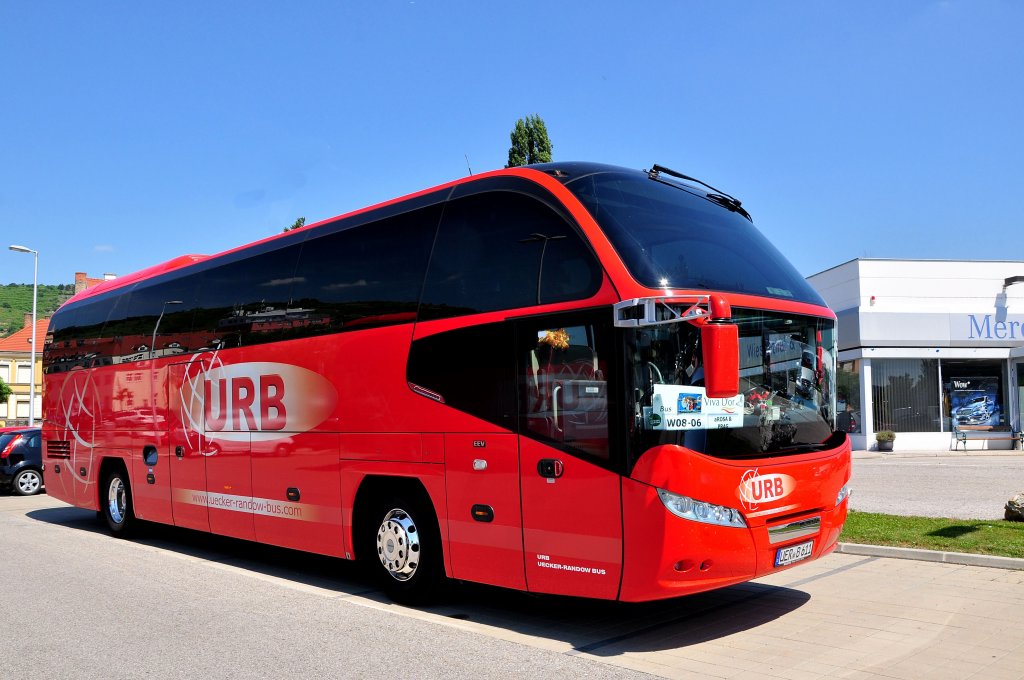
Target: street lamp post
(152, 344)
(32, 360)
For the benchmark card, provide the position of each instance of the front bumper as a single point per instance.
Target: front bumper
(671, 556)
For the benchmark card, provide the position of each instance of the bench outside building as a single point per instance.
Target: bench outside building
(984, 433)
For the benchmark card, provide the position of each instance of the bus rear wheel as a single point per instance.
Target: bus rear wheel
(116, 502)
(402, 546)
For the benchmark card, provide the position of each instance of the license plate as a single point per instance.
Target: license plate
(793, 553)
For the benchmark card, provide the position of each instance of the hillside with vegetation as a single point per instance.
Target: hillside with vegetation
(16, 302)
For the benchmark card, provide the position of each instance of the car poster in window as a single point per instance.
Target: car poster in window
(684, 407)
(974, 401)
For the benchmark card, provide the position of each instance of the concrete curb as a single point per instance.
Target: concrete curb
(965, 559)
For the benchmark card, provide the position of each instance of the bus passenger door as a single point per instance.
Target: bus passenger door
(572, 511)
(186, 447)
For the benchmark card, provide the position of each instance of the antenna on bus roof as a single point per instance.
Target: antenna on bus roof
(467, 164)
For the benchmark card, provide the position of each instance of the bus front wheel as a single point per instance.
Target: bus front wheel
(402, 545)
(116, 502)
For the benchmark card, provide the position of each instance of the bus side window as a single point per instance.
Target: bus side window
(495, 248)
(471, 369)
(566, 391)
(369, 275)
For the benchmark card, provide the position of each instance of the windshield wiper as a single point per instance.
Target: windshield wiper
(717, 196)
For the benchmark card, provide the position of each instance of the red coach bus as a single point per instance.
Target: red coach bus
(566, 378)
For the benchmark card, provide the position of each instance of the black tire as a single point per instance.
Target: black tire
(116, 502)
(401, 546)
(28, 482)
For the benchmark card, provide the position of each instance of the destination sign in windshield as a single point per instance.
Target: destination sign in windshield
(684, 407)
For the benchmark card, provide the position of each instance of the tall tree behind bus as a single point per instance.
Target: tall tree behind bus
(530, 142)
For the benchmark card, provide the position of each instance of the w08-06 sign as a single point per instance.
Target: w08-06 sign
(681, 407)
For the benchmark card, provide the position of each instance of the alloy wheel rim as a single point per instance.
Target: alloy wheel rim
(29, 482)
(398, 545)
(116, 500)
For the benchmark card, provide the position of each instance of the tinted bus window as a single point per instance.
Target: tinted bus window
(490, 252)
(366, 276)
(246, 301)
(134, 321)
(471, 369)
(77, 338)
(570, 271)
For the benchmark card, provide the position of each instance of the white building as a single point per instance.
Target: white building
(929, 345)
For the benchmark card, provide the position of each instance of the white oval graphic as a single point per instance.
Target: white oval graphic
(756, 489)
(258, 400)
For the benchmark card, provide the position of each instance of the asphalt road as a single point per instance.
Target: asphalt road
(961, 487)
(181, 604)
(174, 603)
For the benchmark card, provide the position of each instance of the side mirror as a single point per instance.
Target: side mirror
(721, 349)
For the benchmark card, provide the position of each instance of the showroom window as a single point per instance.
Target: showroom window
(905, 395)
(848, 411)
(973, 393)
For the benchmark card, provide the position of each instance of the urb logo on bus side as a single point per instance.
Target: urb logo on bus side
(259, 400)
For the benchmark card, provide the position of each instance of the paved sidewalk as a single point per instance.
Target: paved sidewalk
(844, 616)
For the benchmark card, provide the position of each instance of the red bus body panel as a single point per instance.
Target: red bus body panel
(482, 469)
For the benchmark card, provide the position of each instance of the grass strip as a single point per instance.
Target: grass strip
(981, 537)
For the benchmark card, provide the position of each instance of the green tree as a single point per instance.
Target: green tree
(296, 224)
(5, 391)
(530, 142)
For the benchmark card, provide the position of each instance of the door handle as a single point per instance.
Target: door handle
(179, 452)
(550, 468)
(554, 404)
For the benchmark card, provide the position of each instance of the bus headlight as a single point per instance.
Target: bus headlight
(699, 511)
(844, 493)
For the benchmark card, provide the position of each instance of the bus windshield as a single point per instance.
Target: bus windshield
(786, 403)
(675, 236)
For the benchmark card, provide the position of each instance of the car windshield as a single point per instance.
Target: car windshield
(6, 439)
(786, 403)
(674, 236)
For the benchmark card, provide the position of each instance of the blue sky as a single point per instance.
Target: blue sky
(132, 132)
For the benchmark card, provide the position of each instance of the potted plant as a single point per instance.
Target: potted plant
(885, 439)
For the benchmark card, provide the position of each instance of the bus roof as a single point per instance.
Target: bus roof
(561, 172)
(185, 260)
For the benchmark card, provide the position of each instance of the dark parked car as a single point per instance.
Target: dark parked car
(21, 460)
